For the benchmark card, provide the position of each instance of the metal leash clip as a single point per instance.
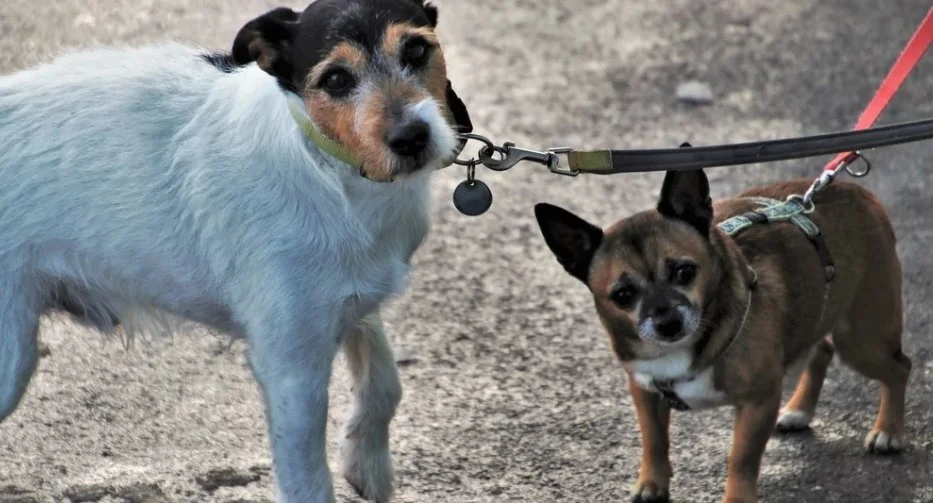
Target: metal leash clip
(510, 155)
(828, 176)
(505, 157)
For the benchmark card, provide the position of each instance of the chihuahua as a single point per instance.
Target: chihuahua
(711, 305)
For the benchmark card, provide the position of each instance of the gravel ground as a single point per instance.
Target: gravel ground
(511, 391)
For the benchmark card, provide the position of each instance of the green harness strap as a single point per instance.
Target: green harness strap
(773, 211)
(792, 210)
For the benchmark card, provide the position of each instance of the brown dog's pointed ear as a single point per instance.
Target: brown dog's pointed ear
(572, 240)
(266, 40)
(685, 196)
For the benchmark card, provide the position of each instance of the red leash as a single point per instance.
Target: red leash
(916, 47)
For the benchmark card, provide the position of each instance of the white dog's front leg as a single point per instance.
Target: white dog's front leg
(367, 463)
(293, 370)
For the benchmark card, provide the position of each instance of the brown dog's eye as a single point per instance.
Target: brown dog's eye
(625, 296)
(684, 274)
(415, 54)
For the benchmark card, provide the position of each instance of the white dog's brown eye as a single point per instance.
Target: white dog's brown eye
(415, 54)
(684, 274)
(337, 82)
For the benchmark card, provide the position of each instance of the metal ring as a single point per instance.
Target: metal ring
(488, 144)
(806, 200)
(486, 155)
(859, 174)
(471, 171)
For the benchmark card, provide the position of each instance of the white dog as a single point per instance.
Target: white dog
(276, 193)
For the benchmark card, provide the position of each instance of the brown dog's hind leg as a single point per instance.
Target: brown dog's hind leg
(870, 343)
(654, 417)
(887, 364)
(800, 409)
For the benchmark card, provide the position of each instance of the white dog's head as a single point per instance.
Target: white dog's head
(372, 76)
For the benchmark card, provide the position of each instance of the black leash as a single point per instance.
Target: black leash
(609, 162)
(627, 161)
(473, 197)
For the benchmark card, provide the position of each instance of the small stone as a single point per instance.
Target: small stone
(85, 19)
(226, 477)
(405, 357)
(44, 350)
(695, 93)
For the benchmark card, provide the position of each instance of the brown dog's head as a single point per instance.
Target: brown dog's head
(652, 275)
(372, 76)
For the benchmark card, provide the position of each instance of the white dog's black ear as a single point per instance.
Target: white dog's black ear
(266, 40)
(572, 240)
(685, 196)
(429, 10)
(459, 111)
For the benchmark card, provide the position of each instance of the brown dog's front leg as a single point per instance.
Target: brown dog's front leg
(654, 417)
(753, 427)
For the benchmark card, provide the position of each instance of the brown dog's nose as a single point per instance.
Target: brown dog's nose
(410, 138)
(667, 321)
(669, 327)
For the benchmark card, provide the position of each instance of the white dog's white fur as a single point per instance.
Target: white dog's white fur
(146, 180)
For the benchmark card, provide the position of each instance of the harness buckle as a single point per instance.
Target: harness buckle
(666, 389)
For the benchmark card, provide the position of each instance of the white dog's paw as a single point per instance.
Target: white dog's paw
(792, 421)
(368, 468)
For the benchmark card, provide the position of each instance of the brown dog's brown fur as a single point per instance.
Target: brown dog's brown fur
(862, 319)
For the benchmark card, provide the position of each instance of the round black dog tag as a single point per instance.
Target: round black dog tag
(472, 197)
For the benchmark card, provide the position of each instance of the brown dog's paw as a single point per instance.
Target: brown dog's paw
(882, 442)
(650, 492)
(793, 421)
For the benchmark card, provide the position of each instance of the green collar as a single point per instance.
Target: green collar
(331, 147)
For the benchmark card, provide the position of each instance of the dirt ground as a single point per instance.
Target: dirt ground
(511, 393)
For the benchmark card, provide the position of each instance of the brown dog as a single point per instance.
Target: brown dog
(704, 315)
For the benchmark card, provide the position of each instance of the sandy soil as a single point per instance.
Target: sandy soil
(511, 392)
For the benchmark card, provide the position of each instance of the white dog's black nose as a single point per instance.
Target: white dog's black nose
(409, 138)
